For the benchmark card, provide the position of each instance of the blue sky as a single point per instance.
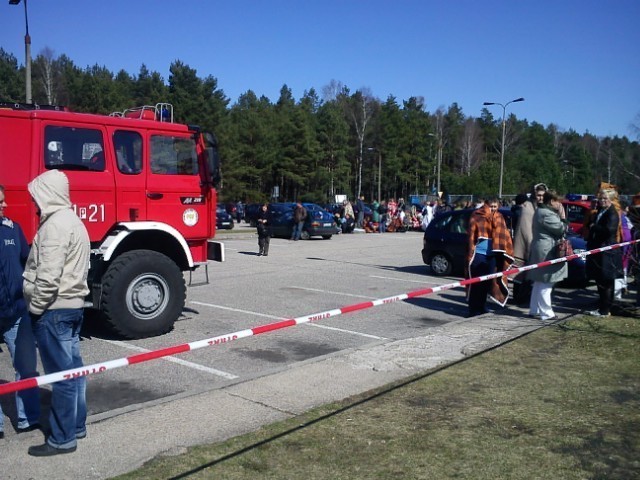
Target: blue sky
(575, 62)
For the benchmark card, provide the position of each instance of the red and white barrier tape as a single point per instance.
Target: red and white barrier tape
(27, 383)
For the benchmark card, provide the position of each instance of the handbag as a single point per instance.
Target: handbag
(563, 248)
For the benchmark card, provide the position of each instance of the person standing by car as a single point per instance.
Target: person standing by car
(360, 207)
(15, 323)
(548, 229)
(239, 212)
(516, 211)
(427, 215)
(55, 287)
(490, 250)
(634, 217)
(522, 242)
(604, 267)
(299, 216)
(382, 210)
(264, 230)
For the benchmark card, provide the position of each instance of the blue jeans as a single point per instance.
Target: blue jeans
(297, 230)
(58, 336)
(18, 335)
(382, 226)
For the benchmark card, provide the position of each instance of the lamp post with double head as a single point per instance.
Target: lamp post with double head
(27, 52)
(504, 125)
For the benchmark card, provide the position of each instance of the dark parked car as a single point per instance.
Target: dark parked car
(223, 219)
(319, 223)
(445, 245)
(251, 213)
(230, 207)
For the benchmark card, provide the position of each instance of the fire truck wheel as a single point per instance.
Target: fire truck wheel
(143, 293)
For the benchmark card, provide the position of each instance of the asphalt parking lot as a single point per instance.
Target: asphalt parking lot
(213, 393)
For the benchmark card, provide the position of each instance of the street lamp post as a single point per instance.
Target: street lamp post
(504, 124)
(27, 52)
(438, 159)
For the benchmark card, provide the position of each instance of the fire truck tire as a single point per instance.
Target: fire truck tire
(143, 293)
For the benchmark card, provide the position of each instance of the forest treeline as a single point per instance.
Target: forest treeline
(339, 141)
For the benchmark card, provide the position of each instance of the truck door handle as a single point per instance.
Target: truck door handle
(154, 196)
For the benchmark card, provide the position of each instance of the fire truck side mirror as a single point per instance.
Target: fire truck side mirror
(213, 159)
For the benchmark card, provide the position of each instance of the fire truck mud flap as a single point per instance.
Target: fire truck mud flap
(143, 293)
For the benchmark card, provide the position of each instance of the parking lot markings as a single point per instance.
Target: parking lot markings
(399, 279)
(352, 332)
(179, 361)
(334, 293)
(341, 330)
(249, 312)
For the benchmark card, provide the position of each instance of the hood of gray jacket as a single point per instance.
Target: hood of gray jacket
(50, 190)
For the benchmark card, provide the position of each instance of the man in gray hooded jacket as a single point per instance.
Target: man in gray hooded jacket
(55, 286)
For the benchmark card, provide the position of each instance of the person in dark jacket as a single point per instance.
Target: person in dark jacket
(239, 211)
(516, 211)
(634, 217)
(360, 213)
(606, 266)
(299, 216)
(383, 211)
(264, 230)
(15, 322)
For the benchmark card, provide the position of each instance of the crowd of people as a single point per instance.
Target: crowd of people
(540, 234)
(388, 215)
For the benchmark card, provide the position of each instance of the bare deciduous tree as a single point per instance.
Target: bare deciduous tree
(332, 91)
(45, 67)
(360, 108)
(471, 147)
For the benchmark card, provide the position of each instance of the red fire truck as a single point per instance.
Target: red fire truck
(144, 187)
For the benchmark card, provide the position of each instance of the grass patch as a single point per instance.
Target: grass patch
(560, 403)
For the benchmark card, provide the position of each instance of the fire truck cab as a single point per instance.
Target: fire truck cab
(144, 187)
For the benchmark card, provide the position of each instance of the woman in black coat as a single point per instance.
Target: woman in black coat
(604, 267)
(264, 230)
